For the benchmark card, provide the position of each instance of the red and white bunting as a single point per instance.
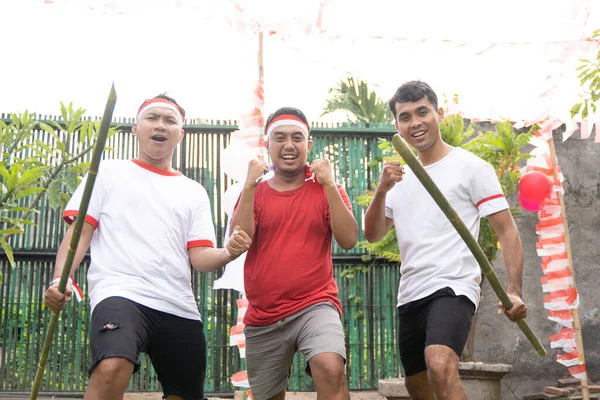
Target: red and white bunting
(561, 317)
(558, 280)
(555, 263)
(566, 299)
(240, 379)
(564, 339)
(569, 359)
(579, 372)
(236, 335)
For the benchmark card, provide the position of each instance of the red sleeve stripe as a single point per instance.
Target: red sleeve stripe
(200, 243)
(70, 215)
(496, 196)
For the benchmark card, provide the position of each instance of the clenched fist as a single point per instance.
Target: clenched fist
(322, 170)
(55, 300)
(392, 173)
(256, 170)
(239, 242)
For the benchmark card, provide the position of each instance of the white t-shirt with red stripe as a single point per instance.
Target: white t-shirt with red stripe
(433, 255)
(146, 219)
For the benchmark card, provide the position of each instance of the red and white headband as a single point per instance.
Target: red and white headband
(160, 103)
(287, 119)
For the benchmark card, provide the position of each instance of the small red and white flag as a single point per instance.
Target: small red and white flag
(578, 371)
(242, 349)
(236, 335)
(240, 379)
(564, 339)
(556, 262)
(566, 299)
(553, 240)
(551, 224)
(557, 280)
(562, 317)
(569, 359)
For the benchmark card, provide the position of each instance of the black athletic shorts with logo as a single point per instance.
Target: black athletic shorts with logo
(176, 346)
(440, 318)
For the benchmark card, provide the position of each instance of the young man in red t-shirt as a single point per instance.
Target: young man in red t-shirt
(288, 273)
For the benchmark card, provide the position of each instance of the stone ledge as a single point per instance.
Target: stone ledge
(483, 370)
(480, 380)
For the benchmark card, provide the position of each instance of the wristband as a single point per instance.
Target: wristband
(75, 287)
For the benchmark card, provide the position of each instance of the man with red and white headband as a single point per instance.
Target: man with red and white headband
(288, 272)
(145, 224)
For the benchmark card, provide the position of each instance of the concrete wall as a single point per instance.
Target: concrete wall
(498, 340)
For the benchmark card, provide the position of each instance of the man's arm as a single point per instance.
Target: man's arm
(376, 223)
(343, 224)
(54, 299)
(512, 253)
(208, 259)
(243, 217)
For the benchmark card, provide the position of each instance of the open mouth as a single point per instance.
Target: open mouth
(419, 134)
(289, 157)
(159, 139)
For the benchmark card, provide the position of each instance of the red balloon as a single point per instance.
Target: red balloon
(534, 187)
(529, 205)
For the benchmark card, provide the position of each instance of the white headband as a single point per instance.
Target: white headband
(160, 103)
(293, 122)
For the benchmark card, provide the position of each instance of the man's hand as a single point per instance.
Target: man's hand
(322, 170)
(239, 242)
(55, 300)
(518, 310)
(392, 173)
(256, 170)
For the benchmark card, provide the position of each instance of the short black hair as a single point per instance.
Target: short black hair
(172, 100)
(413, 91)
(287, 110)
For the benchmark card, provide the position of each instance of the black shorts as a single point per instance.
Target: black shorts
(176, 346)
(440, 318)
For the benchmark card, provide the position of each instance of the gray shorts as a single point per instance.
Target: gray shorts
(270, 349)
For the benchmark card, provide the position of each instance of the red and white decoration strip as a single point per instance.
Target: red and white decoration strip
(237, 338)
(561, 296)
(251, 128)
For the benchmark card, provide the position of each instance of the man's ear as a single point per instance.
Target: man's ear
(134, 129)
(397, 127)
(310, 143)
(181, 135)
(440, 113)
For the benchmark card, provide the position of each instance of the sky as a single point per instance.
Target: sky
(510, 59)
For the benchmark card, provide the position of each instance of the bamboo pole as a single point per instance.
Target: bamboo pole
(85, 200)
(585, 393)
(261, 75)
(465, 234)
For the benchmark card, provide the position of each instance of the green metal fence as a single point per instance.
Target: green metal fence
(368, 298)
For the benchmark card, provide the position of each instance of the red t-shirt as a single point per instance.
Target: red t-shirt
(288, 266)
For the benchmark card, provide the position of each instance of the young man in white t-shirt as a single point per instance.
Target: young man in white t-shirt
(439, 288)
(145, 224)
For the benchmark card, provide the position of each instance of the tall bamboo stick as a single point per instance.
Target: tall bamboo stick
(85, 200)
(585, 393)
(465, 234)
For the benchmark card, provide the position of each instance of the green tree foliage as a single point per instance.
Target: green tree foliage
(589, 79)
(362, 104)
(40, 158)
